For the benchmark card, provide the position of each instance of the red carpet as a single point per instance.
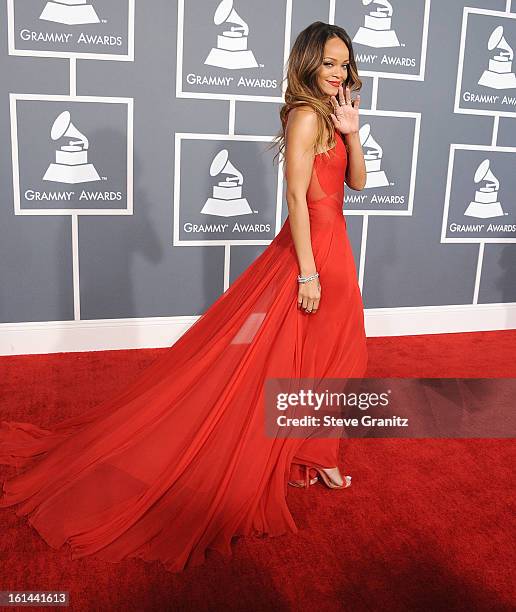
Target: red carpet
(426, 525)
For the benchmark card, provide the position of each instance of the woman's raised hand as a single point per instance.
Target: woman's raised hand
(345, 111)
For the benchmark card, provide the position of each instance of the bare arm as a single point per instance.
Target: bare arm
(355, 171)
(345, 118)
(299, 158)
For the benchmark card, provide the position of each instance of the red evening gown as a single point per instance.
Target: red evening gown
(179, 462)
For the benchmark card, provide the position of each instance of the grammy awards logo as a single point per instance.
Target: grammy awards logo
(499, 74)
(231, 50)
(71, 165)
(69, 12)
(227, 200)
(376, 31)
(486, 204)
(373, 159)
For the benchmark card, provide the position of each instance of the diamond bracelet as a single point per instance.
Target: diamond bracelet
(305, 279)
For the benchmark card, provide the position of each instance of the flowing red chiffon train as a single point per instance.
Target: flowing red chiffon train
(179, 463)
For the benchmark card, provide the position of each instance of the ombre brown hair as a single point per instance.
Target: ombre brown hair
(302, 89)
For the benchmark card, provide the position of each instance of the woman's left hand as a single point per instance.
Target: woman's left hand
(345, 111)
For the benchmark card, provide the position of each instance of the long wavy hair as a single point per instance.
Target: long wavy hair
(306, 57)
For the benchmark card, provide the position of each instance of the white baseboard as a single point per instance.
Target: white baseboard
(157, 332)
(455, 318)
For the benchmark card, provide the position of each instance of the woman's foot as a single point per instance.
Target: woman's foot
(332, 478)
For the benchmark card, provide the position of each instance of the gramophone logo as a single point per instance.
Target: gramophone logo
(486, 204)
(71, 165)
(373, 159)
(69, 12)
(376, 31)
(231, 51)
(499, 74)
(226, 200)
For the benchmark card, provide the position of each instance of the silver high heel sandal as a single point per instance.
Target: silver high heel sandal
(333, 479)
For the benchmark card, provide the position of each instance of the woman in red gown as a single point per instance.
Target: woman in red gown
(179, 463)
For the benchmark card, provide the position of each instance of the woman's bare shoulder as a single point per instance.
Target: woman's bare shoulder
(302, 114)
(302, 126)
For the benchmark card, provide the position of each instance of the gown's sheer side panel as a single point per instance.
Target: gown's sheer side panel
(179, 462)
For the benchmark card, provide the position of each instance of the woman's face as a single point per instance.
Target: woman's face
(334, 69)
